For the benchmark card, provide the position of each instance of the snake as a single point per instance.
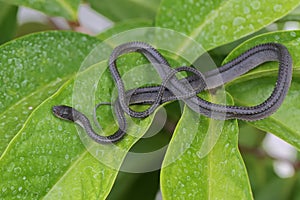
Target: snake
(188, 88)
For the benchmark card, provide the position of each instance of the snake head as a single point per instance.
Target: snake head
(63, 112)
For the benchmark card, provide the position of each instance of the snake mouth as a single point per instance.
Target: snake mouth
(56, 111)
(63, 112)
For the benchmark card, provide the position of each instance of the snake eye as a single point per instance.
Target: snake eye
(63, 112)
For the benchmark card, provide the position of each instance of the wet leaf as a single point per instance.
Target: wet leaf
(119, 10)
(124, 26)
(31, 69)
(63, 8)
(217, 173)
(213, 23)
(47, 158)
(245, 90)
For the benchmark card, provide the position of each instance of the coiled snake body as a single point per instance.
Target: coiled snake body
(187, 88)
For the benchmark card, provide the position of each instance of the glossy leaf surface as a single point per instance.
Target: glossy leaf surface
(63, 8)
(213, 23)
(245, 90)
(119, 10)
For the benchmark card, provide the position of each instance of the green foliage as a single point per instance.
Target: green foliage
(284, 123)
(213, 23)
(41, 64)
(63, 8)
(191, 174)
(120, 10)
(8, 22)
(42, 157)
(123, 26)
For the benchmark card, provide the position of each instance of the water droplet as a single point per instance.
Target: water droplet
(293, 34)
(4, 189)
(197, 173)
(238, 21)
(67, 156)
(246, 10)
(255, 5)
(277, 7)
(233, 172)
(277, 37)
(180, 184)
(233, 150)
(251, 27)
(224, 27)
(168, 182)
(17, 170)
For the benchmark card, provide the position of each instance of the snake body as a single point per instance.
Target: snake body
(186, 89)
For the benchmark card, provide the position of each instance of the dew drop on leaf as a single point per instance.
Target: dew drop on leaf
(238, 21)
(293, 34)
(277, 37)
(246, 10)
(4, 189)
(196, 173)
(277, 7)
(224, 27)
(255, 5)
(233, 172)
(180, 184)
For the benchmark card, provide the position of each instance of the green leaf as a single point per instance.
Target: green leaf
(63, 8)
(32, 68)
(33, 27)
(47, 159)
(213, 23)
(120, 10)
(8, 22)
(190, 172)
(124, 26)
(293, 16)
(245, 90)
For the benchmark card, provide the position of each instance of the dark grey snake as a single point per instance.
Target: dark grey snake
(186, 89)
